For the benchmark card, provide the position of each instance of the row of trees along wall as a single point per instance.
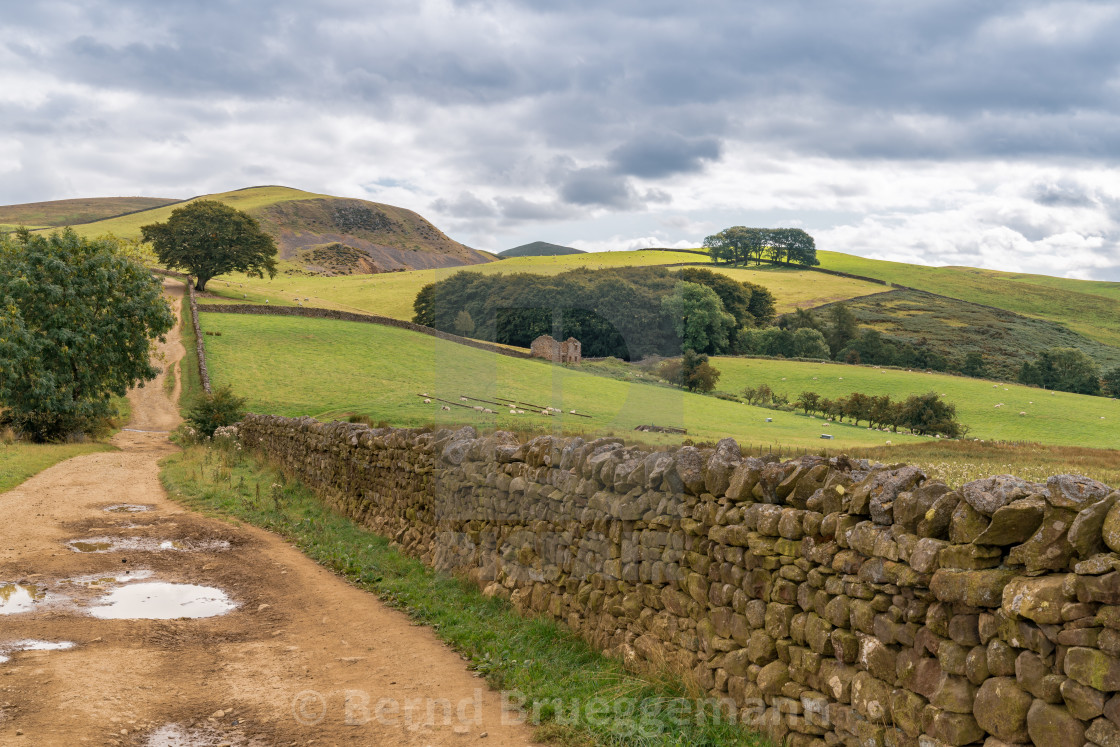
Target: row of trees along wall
(863, 604)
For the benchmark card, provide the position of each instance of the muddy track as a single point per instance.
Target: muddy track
(276, 669)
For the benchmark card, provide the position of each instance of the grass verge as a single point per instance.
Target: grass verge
(19, 461)
(542, 660)
(188, 364)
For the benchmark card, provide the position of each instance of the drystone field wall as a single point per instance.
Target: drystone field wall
(830, 601)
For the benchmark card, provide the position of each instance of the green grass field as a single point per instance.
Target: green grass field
(391, 294)
(1059, 419)
(19, 461)
(1088, 307)
(326, 369)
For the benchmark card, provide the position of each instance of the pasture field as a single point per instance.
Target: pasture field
(391, 294)
(1059, 419)
(1089, 307)
(329, 369)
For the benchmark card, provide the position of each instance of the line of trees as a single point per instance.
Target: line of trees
(740, 245)
(1065, 370)
(923, 414)
(802, 335)
(626, 312)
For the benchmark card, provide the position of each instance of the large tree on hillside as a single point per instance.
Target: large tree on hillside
(77, 319)
(697, 314)
(209, 238)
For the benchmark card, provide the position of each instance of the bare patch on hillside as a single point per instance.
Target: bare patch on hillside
(390, 238)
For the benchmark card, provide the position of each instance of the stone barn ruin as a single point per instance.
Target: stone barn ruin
(568, 351)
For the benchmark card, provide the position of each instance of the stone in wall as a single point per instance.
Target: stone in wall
(835, 601)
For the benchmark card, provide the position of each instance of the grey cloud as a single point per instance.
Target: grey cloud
(657, 154)
(466, 205)
(598, 187)
(1061, 194)
(518, 209)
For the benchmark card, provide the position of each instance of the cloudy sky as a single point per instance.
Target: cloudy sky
(949, 132)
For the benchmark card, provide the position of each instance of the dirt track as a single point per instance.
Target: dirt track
(278, 667)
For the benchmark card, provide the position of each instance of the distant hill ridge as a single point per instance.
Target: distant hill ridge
(539, 249)
(332, 235)
(58, 213)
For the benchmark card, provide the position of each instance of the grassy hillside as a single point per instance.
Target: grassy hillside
(955, 328)
(55, 213)
(391, 294)
(325, 368)
(1058, 419)
(539, 249)
(392, 237)
(1088, 307)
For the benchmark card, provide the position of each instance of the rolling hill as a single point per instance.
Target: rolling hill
(954, 328)
(331, 235)
(539, 249)
(58, 213)
(1090, 308)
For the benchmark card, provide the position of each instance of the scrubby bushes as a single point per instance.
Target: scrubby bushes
(1064, 370)
(216, 410)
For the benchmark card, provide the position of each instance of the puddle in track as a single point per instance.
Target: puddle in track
(95, 580)
(20, 597)
(127, 508)
(182, 735)
(160, 600)
(16, 646)
(144, 544)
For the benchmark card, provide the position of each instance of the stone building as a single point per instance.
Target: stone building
(554, 350)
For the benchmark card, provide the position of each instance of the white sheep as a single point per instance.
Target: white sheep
(427, 402)
(1022, 413)
(445, 407)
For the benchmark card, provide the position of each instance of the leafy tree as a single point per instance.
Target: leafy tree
(974, 364)
(808, 401)
(1112, 382)
(799, 319)
(842, 328)
(698, 316)
(741, 244)
(209, 238)
(928, 414)
(1064, 370)
(77, 319)
(215, 410)
(696, 373)
(464, 325)
(858, 407)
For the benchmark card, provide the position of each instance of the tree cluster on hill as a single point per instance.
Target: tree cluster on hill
(801, 335)
(1111, 381)
(923, 414)
(740, 245)
(626, 312)
(1063, 370)
(77, 318)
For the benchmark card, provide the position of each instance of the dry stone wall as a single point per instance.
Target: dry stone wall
(859, 604)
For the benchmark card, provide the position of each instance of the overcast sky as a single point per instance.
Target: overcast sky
(978, 133)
